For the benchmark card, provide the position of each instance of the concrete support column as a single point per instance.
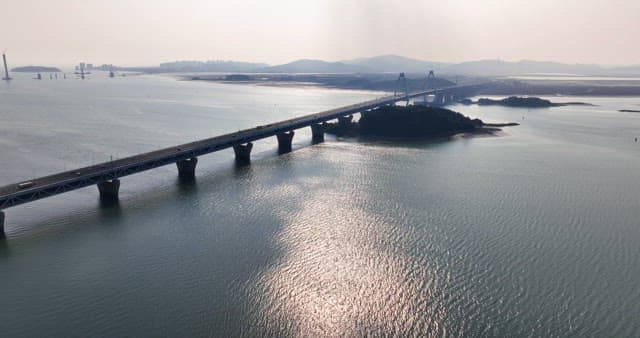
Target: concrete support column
(317, 133)
(243, 153)
(284, 142)
(2, 234)
(187, 168)
(109, 190)
(345, 120)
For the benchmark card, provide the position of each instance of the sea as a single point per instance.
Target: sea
(533, 231)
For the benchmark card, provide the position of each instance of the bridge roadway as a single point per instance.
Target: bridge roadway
(28, 191)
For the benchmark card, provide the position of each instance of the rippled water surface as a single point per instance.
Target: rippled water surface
(534, 232)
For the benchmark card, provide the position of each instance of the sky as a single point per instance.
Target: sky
(148, 32)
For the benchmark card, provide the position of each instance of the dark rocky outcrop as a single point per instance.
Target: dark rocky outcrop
(409, 122)
(526, 102)
(516, 101)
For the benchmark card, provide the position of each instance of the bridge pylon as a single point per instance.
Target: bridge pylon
(429, 83)
(401, 85)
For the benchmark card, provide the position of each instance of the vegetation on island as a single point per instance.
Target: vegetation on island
(516, 101)
(410, 122)
(36, 69)
(526, 102)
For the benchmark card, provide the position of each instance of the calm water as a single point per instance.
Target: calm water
(532, 233)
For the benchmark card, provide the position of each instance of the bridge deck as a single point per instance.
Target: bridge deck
(13, 194)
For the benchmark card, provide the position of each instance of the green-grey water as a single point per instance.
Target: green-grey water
(533, 232)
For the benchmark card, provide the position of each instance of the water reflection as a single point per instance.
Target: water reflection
(187, 184)
(5, 249)
(338, 276)
(109, 210)
(242, 170)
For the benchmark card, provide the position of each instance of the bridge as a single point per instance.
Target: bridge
(106, 175)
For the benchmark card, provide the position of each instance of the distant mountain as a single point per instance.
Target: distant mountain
(396, 64)
(35, 69)
(211, 66)
(315, 66)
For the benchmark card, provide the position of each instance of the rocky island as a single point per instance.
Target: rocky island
(412, 122)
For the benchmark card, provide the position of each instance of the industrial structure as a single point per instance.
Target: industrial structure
(6, 69)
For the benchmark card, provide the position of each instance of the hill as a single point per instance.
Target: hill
(396, 64)
(315, 66)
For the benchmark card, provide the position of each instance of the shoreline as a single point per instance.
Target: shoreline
(484, 131)
(387, 82)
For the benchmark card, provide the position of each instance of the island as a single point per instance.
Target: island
(524, 102)
(36, 69)
(412, 122)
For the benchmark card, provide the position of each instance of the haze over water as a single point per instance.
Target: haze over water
(531, 233)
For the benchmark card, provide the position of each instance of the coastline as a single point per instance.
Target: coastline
(387, 82)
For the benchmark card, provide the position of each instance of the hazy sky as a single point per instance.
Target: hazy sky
(147, 32)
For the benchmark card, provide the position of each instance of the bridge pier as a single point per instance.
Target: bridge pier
(243, 153)
(187, 168)
(439, 99)
(2, 233)
(344, 121)
(109, 190)
(317, 133)
(448, 98)
(284, 142)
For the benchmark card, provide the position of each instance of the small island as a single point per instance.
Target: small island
(412, 122)
(524, 102)
(36, 69)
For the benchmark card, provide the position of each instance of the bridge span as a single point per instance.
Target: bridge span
(106, 175)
